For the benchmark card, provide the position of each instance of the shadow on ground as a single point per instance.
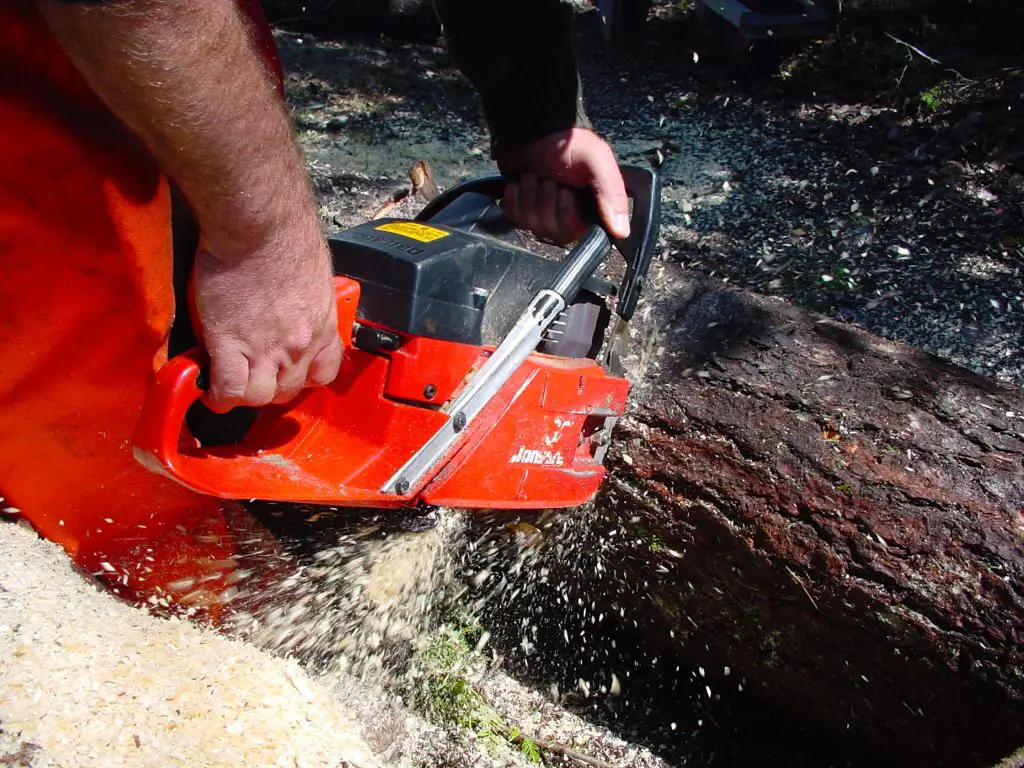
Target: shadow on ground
(565, 626)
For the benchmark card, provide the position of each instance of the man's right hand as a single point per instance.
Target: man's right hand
(188, 78)
(268, 322)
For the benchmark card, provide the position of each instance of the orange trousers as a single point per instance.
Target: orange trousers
(86, 307)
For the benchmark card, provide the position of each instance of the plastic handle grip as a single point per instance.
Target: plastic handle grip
(644, 187)
(225, 472)
(493, 186)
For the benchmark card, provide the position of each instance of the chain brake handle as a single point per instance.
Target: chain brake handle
(643, 186)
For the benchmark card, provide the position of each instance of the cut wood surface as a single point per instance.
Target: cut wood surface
(838, 518)
(87, 681)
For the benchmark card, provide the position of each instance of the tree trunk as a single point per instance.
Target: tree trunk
(838, 518)
(830, 518)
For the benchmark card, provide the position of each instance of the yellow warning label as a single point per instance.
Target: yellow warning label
(411, 229)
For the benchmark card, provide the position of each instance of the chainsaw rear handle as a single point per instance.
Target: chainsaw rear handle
(178, 384)
(643, 186)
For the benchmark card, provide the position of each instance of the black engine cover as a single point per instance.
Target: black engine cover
(442, 282)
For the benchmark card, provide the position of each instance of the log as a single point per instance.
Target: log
(835, 517)
(849, 511)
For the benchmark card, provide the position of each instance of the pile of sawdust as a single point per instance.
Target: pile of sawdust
(359, 604)
(89, 681)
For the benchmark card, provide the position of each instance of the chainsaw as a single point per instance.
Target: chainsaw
(476, 372)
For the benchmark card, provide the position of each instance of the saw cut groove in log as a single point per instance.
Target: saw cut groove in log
(848, 511)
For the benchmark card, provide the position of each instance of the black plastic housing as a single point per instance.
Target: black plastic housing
(457, 271)
(462, 286)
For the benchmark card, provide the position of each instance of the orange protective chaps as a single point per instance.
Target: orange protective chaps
(86, 306)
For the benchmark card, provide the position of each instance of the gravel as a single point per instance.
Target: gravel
(864, 234)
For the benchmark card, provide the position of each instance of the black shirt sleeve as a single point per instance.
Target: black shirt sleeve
(518, 55)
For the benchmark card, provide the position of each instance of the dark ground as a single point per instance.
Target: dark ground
(850, 175)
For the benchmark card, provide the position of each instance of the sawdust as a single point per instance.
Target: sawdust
(353, 602)
(318, 673)
(89, 681)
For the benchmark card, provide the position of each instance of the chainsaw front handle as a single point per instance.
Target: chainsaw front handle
(643, 186)
(506, 359)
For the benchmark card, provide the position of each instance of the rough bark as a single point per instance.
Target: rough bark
(839, 520)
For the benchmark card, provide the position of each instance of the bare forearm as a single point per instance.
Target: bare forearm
(185, 76)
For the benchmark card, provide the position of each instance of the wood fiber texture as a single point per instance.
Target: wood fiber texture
(839, 519)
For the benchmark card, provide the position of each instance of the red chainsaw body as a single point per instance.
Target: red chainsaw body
(536, 444)
(472, 374)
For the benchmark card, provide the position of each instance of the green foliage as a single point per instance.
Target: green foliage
(527, 746)
(449, 647)
(931, 99)
(445, 697)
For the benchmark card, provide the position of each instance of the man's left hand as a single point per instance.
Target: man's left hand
(540, 201)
